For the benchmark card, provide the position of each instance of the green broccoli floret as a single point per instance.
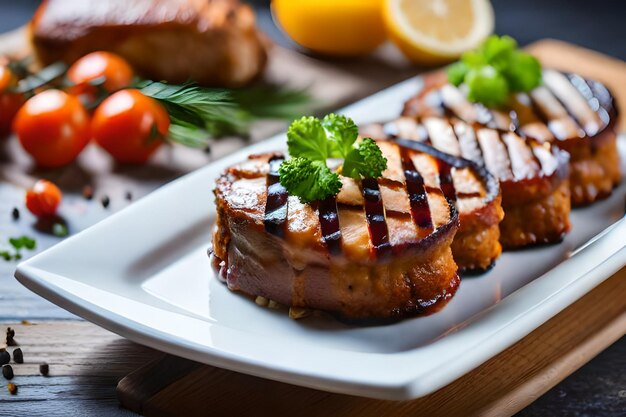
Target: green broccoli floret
(366, 160)
(309, 180)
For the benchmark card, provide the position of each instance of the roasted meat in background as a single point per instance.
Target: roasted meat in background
(575, 114)
(212, 42)
(379, 249)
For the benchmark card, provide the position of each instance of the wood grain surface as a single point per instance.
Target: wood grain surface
(86, 362)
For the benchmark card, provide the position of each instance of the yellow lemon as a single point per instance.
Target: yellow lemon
(332, 27)
(437, 31)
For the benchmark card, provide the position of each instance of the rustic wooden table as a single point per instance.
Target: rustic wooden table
(86, 362)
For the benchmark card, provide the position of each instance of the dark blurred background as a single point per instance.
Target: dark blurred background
(596, 24)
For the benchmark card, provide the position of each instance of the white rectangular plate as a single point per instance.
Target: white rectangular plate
(144, 274)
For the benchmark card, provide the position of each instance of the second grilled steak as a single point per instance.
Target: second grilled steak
(533, 176)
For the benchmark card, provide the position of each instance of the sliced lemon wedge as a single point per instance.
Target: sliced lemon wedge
(437, 31)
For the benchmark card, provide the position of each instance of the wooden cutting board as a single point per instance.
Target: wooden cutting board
(172, 386)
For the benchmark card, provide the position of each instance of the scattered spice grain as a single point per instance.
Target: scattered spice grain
(18, 356)
(44, 369)
(5, 357)
(10, 336)
(12, 388)
(7, 371)
(15, 214)
(106, 201)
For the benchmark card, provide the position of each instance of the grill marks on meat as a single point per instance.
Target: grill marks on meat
(377, 201)
(575, 114)
(566, 104)
(505, 154)
(531, 173)
(276, 203)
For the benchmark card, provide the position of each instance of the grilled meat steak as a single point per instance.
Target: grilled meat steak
(533, 176)
(380, 249)
(212, 42)
(575, 114)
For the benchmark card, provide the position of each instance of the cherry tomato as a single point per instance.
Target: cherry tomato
(115, 70)
(53, 127)
(10, 103)
(43, 199)
(130, 126)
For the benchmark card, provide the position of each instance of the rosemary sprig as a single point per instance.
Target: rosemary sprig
(198, 114)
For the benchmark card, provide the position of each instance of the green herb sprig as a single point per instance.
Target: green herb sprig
(198, 114)
(494, 70)
(17, 244)
(312, 141)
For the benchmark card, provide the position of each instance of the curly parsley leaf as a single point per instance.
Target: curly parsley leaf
(494, 70)
(309, 180)
(306, 138)
(342, 132)
(365, 161)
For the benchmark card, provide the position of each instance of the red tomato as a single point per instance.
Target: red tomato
(43, 199)
(130, 126)
(113, 68)
(53, 127)
(9, 102)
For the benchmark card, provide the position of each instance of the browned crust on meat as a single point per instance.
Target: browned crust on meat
(406, 286)
(210, 42)
(476, 245)
(418, 279)
(544, 220)
(595, 171)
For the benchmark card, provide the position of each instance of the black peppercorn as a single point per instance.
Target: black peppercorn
(7, 371)
(18, 356)
(105, 201)
(10, 336)
(15, 213)
(44, 369)
(129, 195)
(4, 357)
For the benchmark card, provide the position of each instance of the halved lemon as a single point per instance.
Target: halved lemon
(437, 31)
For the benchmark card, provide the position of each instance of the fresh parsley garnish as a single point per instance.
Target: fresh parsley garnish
(494, 70)
(306, 138)
(312, 141)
